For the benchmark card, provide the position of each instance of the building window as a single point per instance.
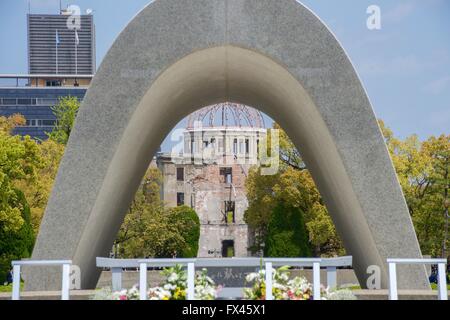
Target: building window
(7, 101)
(230, 212)
(53, 83)
(180, 199)
(257, 148)
(226, 175)
(241, 146)
(48, 123)
(227, 248)
(247, 146)
(46, 102)
(180, 174)
(235, 146)
(25, 101)
(221, 145)
(40, 123)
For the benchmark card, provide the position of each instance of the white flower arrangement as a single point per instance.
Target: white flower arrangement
(174, 288)
(284, 288)
(343, 294)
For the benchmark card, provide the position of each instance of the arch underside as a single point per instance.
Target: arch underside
(177, 56)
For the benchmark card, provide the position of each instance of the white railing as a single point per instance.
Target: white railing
(144, 264)
(331, 264)
(66, 264)
(293, 262)
(393, 292)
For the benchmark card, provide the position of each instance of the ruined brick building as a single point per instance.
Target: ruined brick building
(208, 170)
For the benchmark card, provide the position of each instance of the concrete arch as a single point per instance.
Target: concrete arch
(177, 56)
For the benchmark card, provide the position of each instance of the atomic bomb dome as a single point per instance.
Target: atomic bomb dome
(221, 143)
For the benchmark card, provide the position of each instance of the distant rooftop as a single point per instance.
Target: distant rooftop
(43, 80)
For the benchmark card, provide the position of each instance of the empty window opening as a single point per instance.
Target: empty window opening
(230, 212)
(180, 174)
(180, 199)
(226, 175)
(227, 248)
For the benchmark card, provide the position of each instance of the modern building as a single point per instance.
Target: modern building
(208, 173)
(35, 102)
(61, 63)
(59, 44)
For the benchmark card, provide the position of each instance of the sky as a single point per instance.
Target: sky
(404, 66)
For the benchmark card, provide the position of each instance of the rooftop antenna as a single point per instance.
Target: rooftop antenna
(60, 6)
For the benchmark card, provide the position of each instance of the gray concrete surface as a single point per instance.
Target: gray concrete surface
(177, 56)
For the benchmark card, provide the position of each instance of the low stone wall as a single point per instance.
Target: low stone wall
(130, 278)
(345, 278)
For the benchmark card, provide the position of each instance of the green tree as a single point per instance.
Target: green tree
(423, 171)
(19, 161)
(146, 208)
(188, 224)
(16, 245)
(151, 230)
(294, 186)
(286, 234)
(66, 112)
(38, 190)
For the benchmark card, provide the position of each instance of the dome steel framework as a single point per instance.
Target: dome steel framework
(227, 114)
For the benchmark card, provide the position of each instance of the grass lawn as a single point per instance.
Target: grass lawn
(435, 286)
(8, 288)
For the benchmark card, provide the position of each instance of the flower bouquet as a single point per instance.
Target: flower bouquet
(284, 288)
(173, 288)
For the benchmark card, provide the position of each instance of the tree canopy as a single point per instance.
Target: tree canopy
(152, 230)
(291, 188)
(423, 169)
(65, 112)
(19, 162)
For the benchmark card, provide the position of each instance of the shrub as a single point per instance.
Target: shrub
(287, 235)
(189, 227)
(19, 244)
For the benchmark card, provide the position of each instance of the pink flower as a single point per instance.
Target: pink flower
(123, 297)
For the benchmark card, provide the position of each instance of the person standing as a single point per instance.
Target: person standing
(9, 277)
